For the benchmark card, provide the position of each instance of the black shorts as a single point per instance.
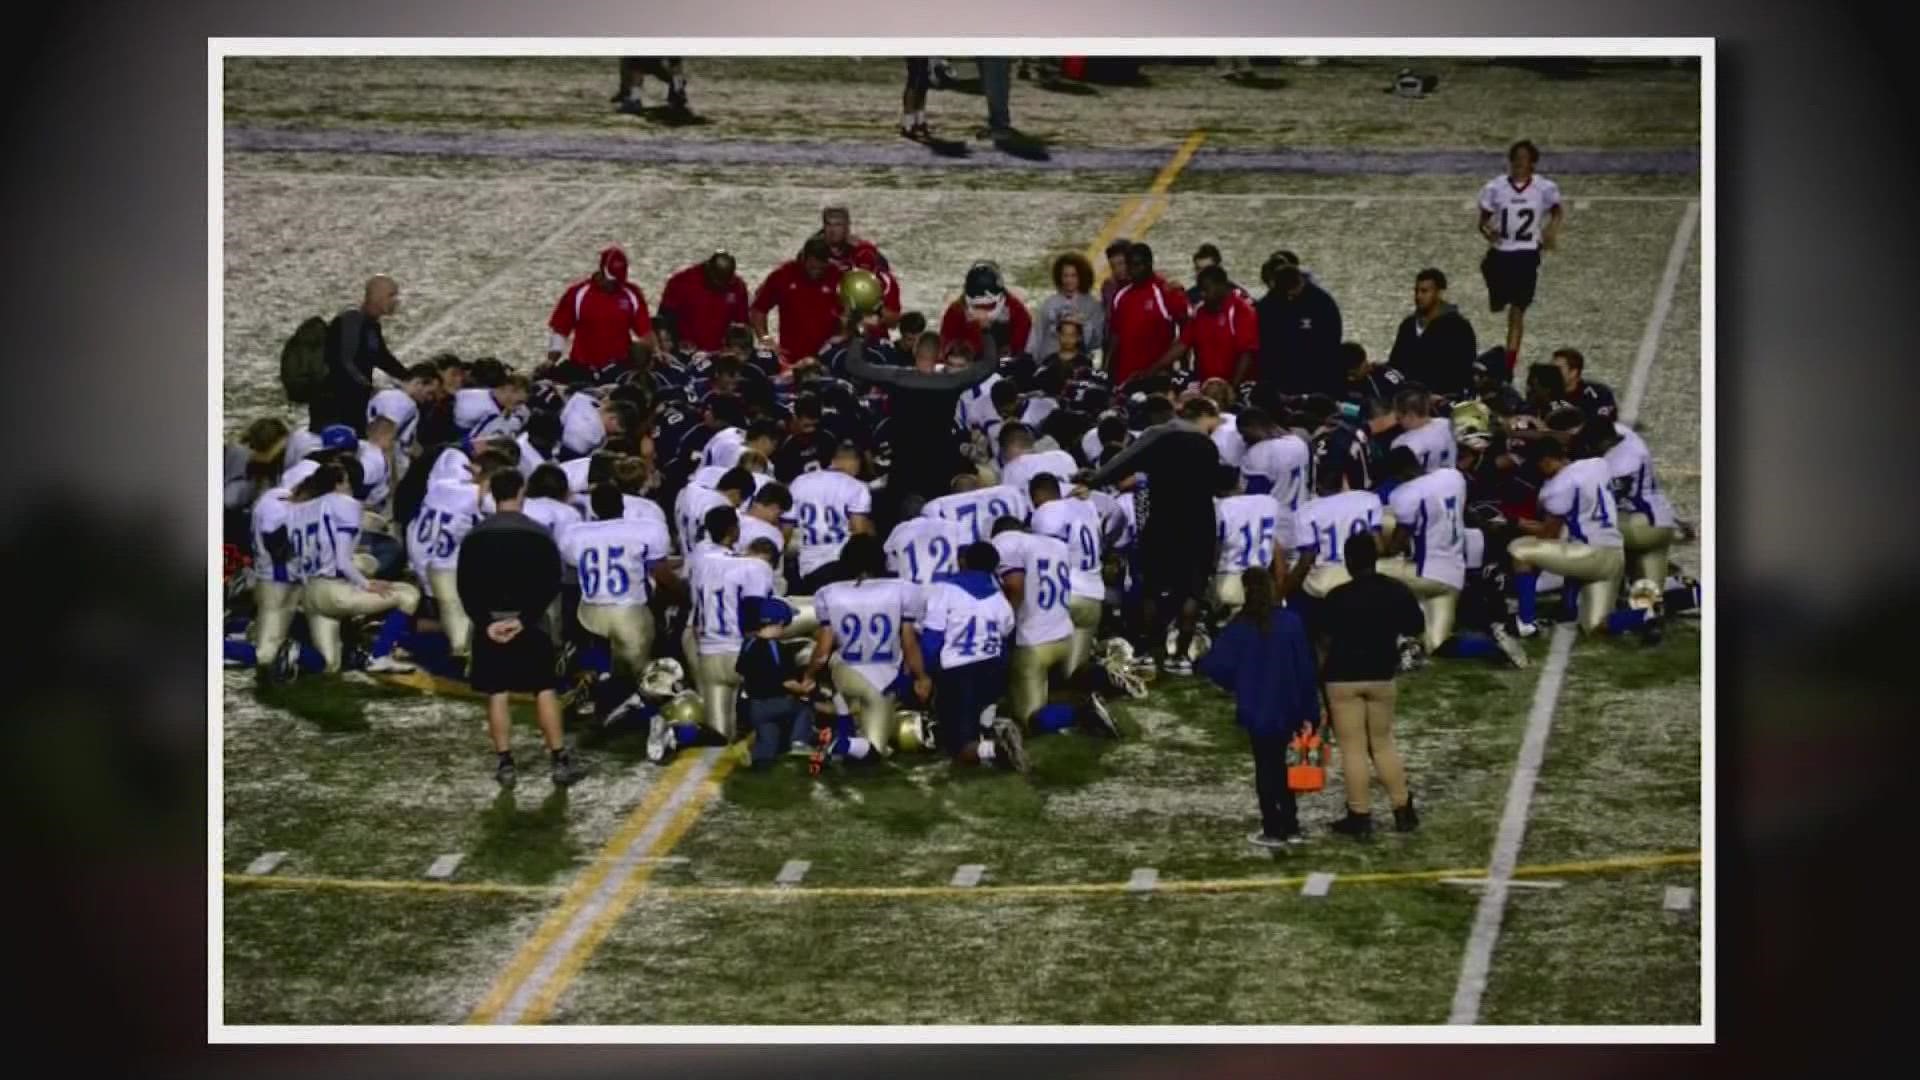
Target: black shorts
(523, 665)
(1511, 277)
(919, 73)
(1177, 565)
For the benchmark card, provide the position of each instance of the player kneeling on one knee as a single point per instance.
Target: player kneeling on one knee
(1577, 499)
(323, 526)
(866, 635)
(962, 638)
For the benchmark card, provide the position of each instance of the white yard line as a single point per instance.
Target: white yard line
(941, 193)
(1474, 967)
(426, 334)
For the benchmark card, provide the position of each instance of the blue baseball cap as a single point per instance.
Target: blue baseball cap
(338, 437)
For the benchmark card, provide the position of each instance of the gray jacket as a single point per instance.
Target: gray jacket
(1046, 324)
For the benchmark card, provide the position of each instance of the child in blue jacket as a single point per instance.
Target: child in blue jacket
(1265, 661)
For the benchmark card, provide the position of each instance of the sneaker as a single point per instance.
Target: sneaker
(632, 107)
(1516, 653)
(1261, 839)
(799, 749)
(504, 774)
(1406, 818)
(1358, 826)
(1296, 837)
(1009, 746)
(660, 739)
(387, 665)
(1413, 656)
(1103, 720)
(567, 771)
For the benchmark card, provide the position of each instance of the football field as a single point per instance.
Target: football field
(374, 874)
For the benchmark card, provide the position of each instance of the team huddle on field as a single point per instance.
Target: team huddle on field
(864, 537)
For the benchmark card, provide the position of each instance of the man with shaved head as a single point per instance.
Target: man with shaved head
(355, 346)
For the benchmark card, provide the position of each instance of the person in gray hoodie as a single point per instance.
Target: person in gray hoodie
(1072, 277)
(1435, 346)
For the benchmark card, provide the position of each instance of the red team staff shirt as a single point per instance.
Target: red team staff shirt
(1142, 323)
(957, 325)
(809, 310)
(602, 323)
(701, 312)
(1218, 338)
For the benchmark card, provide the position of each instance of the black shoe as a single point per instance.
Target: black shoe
(1406, 818)
(1102, 719)
(1649, 632)
(632, 107)
(677, 100)
(1358, 826)
(567, 771)
(504, 774)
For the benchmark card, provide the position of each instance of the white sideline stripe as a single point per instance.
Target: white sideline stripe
(1513, 828)
(265, 863)
(609, 887)
(1679, 898)
(426, 334)
(1144, 879)
(445, 865)
(968, 875)
(1477, 882)
(1662, 303)
(793, 873)
(944, 193)
(1318, 884)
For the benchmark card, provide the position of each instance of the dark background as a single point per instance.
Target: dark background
(105, 529)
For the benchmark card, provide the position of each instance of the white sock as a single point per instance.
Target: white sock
(985, 749)
(858, 748)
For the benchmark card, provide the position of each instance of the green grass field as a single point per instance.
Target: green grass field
(363, 787)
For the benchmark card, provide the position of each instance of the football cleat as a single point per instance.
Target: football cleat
(1510, 646)
(660, 739)
(1102, 719)
(387, 665)
(1413, 655)
(1525, 630)
(286, 662)
(1009, 745)
(568, 771)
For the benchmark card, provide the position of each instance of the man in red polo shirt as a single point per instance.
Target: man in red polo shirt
(806, 293)
(603, 314)
(1145, 318)
(704, 299)
(1223, 333)
(985, 304)
(843, 248)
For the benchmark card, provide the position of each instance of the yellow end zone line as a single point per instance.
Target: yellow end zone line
(1157, 192)
(684, 820)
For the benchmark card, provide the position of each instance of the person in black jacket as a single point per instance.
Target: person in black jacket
(355, 346)
(1435, 346)
(508, 573)
(770, 680)
(920, 410)
(1363, 622)
(1299, 334)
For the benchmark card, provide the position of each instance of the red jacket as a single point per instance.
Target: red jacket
(603, 324)
(1142, 322)
(809, 310)
(956, 325)
(1219, 338)
(702, 313)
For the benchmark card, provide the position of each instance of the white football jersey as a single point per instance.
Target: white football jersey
(867, 617)
(824, 505)
(1431, 442)
(974, 628)
(975, 410)
(614, 558)
(449, 511)
(1631, 463)
(918, 548)
(641, 508)
(1246, 530)
(1021, 470)
(724, 448)
(1090, 443)
(555, 515)
(395, 405)
(1076, 523)
(1119, 517)
(709, 477)
(1279, 467)
(720, 582)
(530, 457)
(451, 465)
(1429, 508)
(581, 430)
(1519, 213)
(1048, 566)
(1227, 440)
(270, 513)
(374, 473)
(1581, 494)
(475, 412)
(690, 512)
(1037, 409)
(325, 531)
(1327, 523)
(978, 509)
(752, 528)
(298, 472)
(300, 444)
(576, 471)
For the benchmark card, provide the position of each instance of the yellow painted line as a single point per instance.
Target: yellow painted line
(578, 893)
(1156, 196)
(596, 932)
(367, 885)
(685, 817)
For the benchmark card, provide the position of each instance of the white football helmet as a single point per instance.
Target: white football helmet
(1643, 595)
(663, 678)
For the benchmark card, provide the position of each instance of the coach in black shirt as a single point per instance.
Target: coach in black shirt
(1435, 345)
(1299, 335)
(1364, 621)
(355, 347)
(508, 574)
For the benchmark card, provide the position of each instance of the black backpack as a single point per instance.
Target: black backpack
(303, 361)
